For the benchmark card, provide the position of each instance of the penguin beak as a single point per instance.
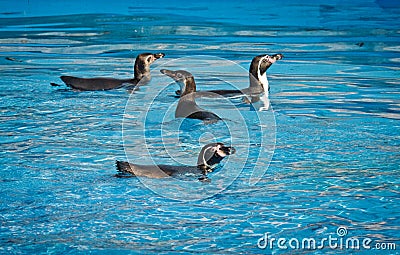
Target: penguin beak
(232, 150)
(175, 75)
(169, 73)
(159, 55)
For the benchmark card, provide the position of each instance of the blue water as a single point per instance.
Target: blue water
(333, 128)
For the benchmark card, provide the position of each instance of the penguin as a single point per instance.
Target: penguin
(209, 158)
(141, 73)
(187, 107)
(257, 78)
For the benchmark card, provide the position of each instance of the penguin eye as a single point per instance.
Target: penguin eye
(179, 75)
(149, 59)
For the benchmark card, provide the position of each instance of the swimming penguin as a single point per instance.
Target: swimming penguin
(141, 72)
(187, 107)
(209, 158)
(257, 75)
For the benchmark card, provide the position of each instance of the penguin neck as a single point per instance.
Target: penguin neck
(202, 163)
(208, 165)
(141, 70)
(189, 87)
(258, 82)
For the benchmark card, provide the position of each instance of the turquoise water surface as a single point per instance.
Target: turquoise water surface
(328, 149)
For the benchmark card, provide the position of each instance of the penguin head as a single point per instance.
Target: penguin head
(143, 62)
(261, 63)
(149, 58)
(212, 154)
(259, 66)
(183, 78)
